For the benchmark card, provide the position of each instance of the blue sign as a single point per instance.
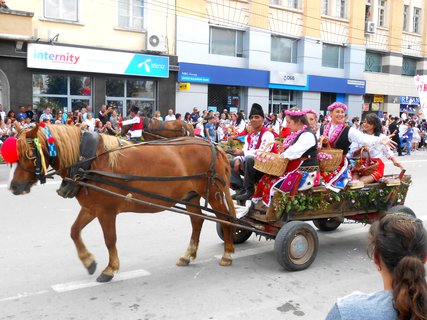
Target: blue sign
(339, 85)
(149, 66)
(410, 100)
(202, 73)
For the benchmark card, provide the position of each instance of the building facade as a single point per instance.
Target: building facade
(71, 54)
(306, 53)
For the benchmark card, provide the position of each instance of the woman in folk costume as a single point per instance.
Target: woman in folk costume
(313, 118)
(302, 171)
(340, 136)
(371, 126)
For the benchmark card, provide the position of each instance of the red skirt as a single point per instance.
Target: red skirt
(379, 173)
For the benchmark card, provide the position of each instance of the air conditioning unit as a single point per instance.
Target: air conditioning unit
(370, 27)
(156, 42)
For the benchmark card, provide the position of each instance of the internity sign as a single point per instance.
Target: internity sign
(56, 57)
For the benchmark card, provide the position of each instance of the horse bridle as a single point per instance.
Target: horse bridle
(37, 161)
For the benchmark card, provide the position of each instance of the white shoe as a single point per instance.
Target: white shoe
(241, 211)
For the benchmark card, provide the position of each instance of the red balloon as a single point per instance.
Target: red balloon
(9, 150)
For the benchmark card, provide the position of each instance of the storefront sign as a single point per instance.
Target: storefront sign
(293, 79)
(203, 73)
(338, 85)
(378, 98)
(50, 57)
(421, 83)
(410, 100)
(184, 86)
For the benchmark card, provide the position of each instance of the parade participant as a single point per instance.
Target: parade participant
(398, 247)
(237, 127)
(300, 147)
(312, 117)
(372, 126)
(274, 125)
(135, 131)
(340, 136)
(259, 138)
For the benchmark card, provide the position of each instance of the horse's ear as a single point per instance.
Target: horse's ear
(33, 132)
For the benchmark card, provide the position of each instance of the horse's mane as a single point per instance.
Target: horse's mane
(67, 143)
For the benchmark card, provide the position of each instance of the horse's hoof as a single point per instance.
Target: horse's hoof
(225, 262)
(182, 262)
(91, 269)
(104, 278)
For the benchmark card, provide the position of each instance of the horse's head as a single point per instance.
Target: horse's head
(29, 162)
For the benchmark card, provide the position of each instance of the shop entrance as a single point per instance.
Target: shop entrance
(4, 92)
(224, 97)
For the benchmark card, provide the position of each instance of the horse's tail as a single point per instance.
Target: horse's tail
(227, 167)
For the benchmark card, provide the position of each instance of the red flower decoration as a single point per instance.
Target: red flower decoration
(9, 150)
(42, 124)
(51, 140)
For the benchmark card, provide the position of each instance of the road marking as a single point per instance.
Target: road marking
(38, 183)
(76, 285)
(24, 295)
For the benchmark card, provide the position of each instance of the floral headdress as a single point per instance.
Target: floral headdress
(313, 112)
(337, 105)
(295, 113)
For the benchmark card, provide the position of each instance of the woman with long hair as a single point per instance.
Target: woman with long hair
(371, 126)
(398, 247)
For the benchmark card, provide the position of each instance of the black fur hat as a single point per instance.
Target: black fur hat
(256, 109)
(134, 109)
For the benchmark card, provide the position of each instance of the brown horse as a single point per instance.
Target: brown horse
(206, 167)
(154, 129)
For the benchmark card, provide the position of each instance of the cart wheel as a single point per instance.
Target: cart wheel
(296, 245)
(330, 224)
(239, 236)
(401, 209)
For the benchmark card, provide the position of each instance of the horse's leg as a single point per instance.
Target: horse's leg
(221, 201)
(196, 223)
(83, 219)
(108, 225)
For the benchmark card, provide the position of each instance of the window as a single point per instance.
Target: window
(226, 42)
(405, 17)
(373, 62)
(295, 4)
(417, 20)
(283, 49)
(409, 66)
(341, 9)
(61, 92)
(382, 12)
(332, 56)
(325, 7)
(125, 93)
(131, 14)
(61, 9)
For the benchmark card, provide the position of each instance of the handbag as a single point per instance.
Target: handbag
(365, 166)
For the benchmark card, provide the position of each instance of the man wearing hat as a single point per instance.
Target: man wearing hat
(135, 131)
(258, 138)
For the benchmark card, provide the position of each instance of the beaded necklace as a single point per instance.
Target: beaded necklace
(290, 139)
(337, 131)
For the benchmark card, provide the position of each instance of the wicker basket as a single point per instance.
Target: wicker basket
(270, 163)
(335, 158)
(365, 166)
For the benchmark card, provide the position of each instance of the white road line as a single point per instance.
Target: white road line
(50, 182)
(24, 295)
(76, 285)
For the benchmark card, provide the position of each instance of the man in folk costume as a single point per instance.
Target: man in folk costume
(260, 138)
(135, 132)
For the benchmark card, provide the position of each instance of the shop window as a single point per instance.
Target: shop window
(61, 9)
(405, 17)
(373, 62)
(66, 93)
(284, 49)
(123, 94)
(332, 56)
(131, 14)
(326, 99)
(409, 66)
(417, 20)
(281, 100)
(226, 42)
(224, 97)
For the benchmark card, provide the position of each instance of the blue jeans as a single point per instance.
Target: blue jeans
(406, 143)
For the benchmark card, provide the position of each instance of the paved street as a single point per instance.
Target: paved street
(42, 277)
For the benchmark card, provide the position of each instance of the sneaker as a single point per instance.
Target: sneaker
(247, 195)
